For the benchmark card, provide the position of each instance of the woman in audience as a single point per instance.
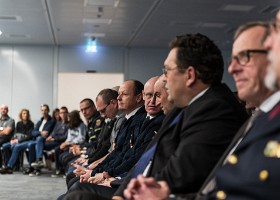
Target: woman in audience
(76, 135)
(23, 131)
(55, 115)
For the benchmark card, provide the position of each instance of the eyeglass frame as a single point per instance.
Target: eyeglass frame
(165, 70)
(104, 109)
(246, 54)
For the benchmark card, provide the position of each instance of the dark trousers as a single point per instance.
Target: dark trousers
(84, 196)
(95, 190)
(3, 139)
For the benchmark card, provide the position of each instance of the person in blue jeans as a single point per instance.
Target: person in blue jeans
(43, 127)
(23, 131)
(58, 135)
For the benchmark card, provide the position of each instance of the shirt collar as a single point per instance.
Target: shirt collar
(127, 116)
(198, 95)
(270, 102)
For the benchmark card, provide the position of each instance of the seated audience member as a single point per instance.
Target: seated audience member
(191, 139)
(258, 149)
(76, 136)
(7, 126)
(107, 105)
(42, 128)
(58, 135)
(23, 131)
(55, 115)
(94, 124)
(252, 68)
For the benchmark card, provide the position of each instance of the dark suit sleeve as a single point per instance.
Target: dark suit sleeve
(144, 138)
(206, 131)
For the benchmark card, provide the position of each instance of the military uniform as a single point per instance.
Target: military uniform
(252, 171)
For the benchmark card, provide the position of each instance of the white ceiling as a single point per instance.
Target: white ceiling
(133, 23)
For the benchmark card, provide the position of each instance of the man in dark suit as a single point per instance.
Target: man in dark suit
(185, 154)
(211, 117)
(248, 69)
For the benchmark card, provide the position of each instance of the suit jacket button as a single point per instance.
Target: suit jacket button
(221, 195)
(232, 159)
(263, 175)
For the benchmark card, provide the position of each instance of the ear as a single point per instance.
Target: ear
(139, 97)
(191, 75)
(143, 95)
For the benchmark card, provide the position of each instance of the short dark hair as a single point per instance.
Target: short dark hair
(64, 108)
(249, 25)
(107, 95)
(91, 103)
(47, 107)
(138, 87)
(199, 51)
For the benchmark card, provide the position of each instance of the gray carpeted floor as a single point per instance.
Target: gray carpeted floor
(22, 187)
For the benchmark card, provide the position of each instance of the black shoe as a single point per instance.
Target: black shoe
(7, 170)
(27, 171)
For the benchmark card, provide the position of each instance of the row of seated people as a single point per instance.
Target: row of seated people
(99, 144)
(68, 130)
(105, 176)
(201, 150)
(112, 147)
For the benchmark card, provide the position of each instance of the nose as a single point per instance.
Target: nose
(268, 42)
(119, 97)
(233, 66)
(153, 100)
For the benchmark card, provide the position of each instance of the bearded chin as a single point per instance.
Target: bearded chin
(270, 79)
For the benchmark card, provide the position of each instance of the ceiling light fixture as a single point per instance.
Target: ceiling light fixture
(91, 45)
(114, 3)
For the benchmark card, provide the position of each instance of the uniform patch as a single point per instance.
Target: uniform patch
(98, 122)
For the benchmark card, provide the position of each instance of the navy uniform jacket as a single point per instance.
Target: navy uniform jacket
(254, 172)
(103, 142)
(186, 155)
(122, 140)
(139, 140)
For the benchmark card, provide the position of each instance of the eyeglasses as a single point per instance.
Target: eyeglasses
(149, 95)
(243, 57)
(104, 109)
(165, 70)
(275, 26)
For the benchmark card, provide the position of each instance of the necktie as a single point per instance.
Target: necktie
(212, 183)
(143, 162)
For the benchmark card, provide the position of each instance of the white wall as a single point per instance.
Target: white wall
(26, 78)
(29, 74)
(73, 87)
